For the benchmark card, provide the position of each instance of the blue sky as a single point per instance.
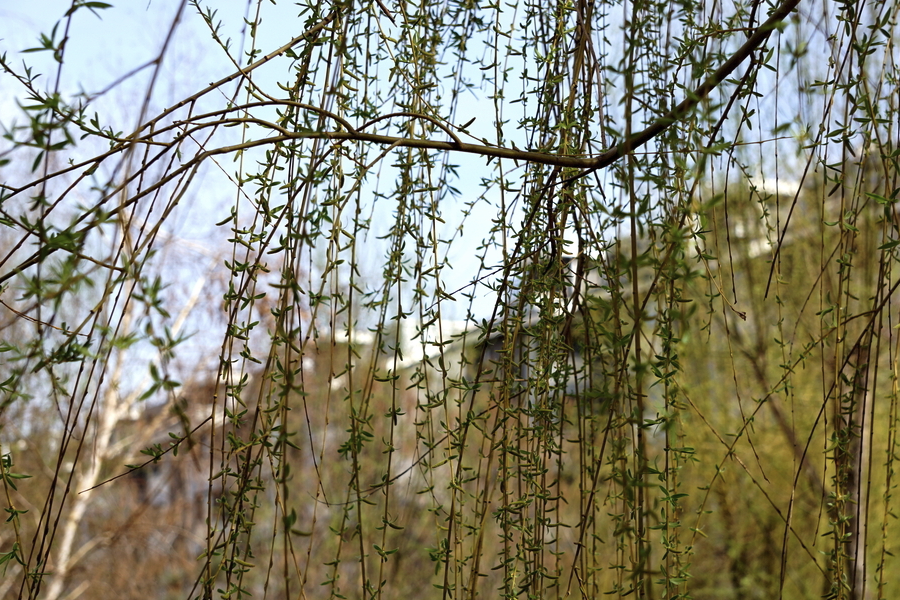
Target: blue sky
(117, 41)
(105, 46)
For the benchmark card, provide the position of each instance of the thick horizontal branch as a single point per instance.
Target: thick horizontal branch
(579, 162)
(760, 35)
(589, 163)
(492, 151)
(608, 157)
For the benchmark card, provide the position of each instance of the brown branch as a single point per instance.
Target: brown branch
(597, 162)
(605, 159)
(589, 164)
(679, 112)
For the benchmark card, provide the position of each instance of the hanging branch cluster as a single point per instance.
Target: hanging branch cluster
(571, 369)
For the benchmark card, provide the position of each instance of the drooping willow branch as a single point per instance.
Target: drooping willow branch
(606, 158)
(590, 163)
(587, 164)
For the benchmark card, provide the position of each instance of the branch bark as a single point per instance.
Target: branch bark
(588, 164)
(760, 35)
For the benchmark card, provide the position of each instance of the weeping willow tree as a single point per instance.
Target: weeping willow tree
(510, 300)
